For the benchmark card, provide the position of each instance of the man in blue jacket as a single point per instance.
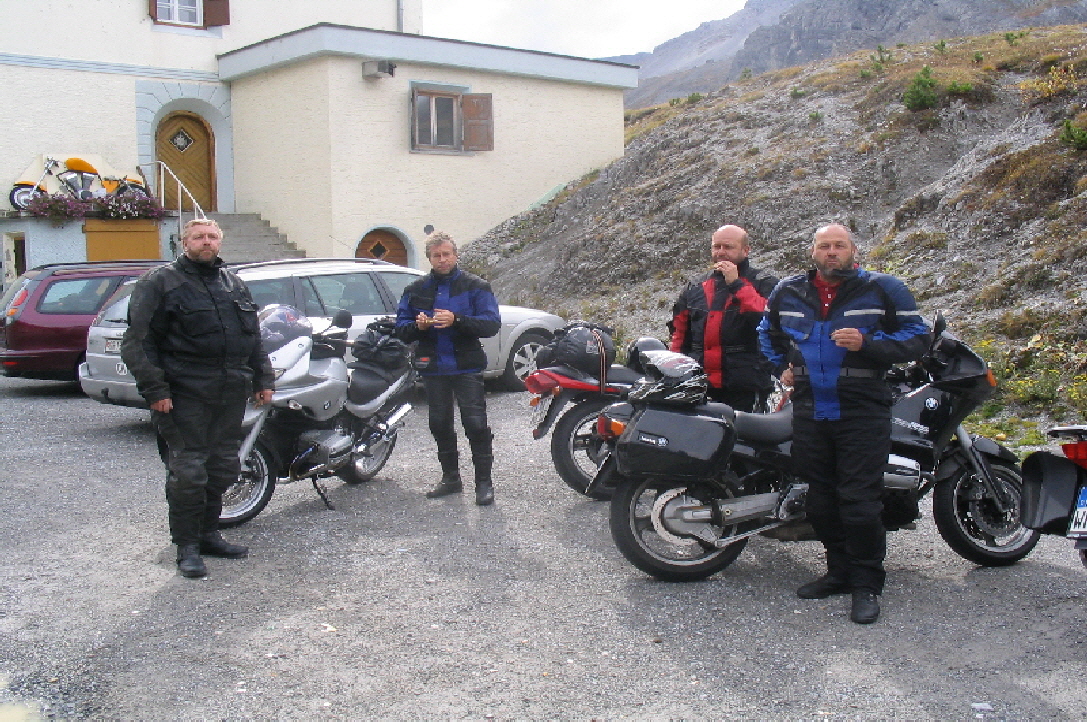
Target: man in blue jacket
(447, 312)
(832, 334)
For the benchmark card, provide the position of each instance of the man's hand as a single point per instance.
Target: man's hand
(787, 377)
(728, 269)
(260, 398)
(163, 406)
(850, 339)
(423, 321)
(443, 318)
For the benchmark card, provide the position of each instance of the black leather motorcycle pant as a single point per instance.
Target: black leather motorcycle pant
(842, 462)
(467, 389)
(202, 439)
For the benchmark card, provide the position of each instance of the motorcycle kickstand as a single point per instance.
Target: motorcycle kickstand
(321, 493)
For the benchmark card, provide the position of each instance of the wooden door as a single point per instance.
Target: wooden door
(383, 245)
(185, 143)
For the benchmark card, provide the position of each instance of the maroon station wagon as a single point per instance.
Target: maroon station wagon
(46, 313)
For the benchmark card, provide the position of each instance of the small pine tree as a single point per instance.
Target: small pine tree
(1074, 136)
(921, 92)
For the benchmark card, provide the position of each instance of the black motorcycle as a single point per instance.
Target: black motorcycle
(696, 480)
(1055, 489)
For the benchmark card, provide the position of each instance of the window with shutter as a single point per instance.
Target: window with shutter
(194, 13)
(447, 119)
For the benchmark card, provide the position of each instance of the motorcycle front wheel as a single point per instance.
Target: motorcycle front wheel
(132, 190)
(251, 494)
(363, 468)
(576, 450)
(640, 532)
(21, 195)
(972, 525)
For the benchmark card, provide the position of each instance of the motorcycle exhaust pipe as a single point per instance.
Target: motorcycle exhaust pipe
(901, 473)
(397, 418)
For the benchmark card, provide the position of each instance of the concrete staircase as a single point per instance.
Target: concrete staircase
(248, 237)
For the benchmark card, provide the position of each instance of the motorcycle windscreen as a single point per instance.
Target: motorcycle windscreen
(675, 443)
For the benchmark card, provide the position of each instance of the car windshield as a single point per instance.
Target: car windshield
(355, 292)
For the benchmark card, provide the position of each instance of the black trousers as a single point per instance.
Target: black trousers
(842, 462)
(743, 398)
(202, 439)
(467, 390)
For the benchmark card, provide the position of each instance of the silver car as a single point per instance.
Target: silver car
(318, 287)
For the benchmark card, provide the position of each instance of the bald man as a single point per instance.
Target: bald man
(715, 321)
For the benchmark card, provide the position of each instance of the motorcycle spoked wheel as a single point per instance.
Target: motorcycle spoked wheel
(21, 195)
(636, 527)
(970, 523)
(254, 489)
(364, 468)
(576, 450)
(132, 190)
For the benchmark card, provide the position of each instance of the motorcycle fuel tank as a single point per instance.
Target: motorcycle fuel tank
(674, 442)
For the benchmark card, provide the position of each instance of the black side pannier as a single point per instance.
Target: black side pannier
(376, 345)
(584, 346)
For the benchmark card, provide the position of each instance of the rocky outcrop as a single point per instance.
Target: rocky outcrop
(814, 29)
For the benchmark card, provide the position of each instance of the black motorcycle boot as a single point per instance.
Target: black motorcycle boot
(450, 482)
(189, 562)
(211, 540)
(835, 581)
(865, 609)
(484, 485)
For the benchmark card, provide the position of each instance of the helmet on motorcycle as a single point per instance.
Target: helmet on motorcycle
(670, 378)
(637, 348)
(280, 324)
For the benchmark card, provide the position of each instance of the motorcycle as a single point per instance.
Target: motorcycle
(327, 417)
(576, 450)
(79, 179)
(696, 480)
(1055, 489)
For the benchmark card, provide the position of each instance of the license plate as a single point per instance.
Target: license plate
(113, 345)
(1077, 528)
(539, 411)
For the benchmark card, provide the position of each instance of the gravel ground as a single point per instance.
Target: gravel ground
(394, 606)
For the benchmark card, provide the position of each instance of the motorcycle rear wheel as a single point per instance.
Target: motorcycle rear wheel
(973, 527)
(132, 190)
(576, 451)
(364, 468)
(636, 536)
(254, 489)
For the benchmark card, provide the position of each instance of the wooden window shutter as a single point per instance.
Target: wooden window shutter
(216, 12)
(478, 116)
(153, 9)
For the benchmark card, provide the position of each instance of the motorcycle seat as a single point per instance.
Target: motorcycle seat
(618, 374)
(716, 410)
(775, 428)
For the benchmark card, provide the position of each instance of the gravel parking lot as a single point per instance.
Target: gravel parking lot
(394, 606)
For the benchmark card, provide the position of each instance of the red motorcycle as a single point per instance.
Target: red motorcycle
(577, 369)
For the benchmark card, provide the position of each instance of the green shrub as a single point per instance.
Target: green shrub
(1073, 136)
(745, 74)
(979, 57)
(694, 98)
(1010, 37)
(815, 116)
(957, 88)
(921, 92)
(941, 47)
(796, 93)
(866, 74)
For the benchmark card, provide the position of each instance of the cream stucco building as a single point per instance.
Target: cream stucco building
(337, 121)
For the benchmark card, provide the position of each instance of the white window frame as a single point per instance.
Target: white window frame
(169, 11)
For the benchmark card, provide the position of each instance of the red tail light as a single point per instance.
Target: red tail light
(19, 300)
(540, 383)
(1076, 452)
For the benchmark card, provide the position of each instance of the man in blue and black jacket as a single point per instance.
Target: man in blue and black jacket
(832, 334)
(447, 312)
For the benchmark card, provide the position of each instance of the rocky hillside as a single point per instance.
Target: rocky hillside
(977, 202)
(814, 29)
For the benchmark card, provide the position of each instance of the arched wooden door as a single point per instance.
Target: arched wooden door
(383, 245)
(185, 143)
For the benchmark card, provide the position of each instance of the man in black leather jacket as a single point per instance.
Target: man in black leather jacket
(193, 344)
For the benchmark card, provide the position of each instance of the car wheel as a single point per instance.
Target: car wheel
(522, 360)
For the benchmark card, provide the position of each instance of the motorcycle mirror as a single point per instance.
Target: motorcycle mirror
(342, 318)
(939, 325)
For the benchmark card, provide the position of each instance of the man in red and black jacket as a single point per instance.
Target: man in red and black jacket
(715, 321)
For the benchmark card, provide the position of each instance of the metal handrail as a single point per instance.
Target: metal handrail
(161, 170)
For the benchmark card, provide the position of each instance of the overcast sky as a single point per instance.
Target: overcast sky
(586, 28)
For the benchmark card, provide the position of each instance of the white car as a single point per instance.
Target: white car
(318, 287)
